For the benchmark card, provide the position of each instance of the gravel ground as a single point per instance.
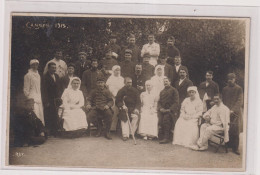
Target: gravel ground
(91, 152)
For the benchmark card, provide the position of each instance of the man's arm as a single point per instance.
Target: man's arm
(110, 101)
(83, 83)
(238, 101)
(119, 98)
(225, 119)
(175, 96)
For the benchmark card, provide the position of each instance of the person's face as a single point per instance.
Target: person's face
(170, 42)
(52, 69)
(100, 84)
(94, 64)
(29, 105)
(163, 60)
(146, 59)
(182, 74)
(113, 40)
(177, 61)
(166, 82)
(192, 94)
(216, 100)
(58, 54)
(35, 66)
(231, 81)
(117, 72)
(138, 69)
(209, 77)
(159, 72)
(128, 83)
(82, 57)
(132, 41)
(151, 39)
(75, 84)
(128, 56)
(109, 54)
(148, 87)
(71, 70)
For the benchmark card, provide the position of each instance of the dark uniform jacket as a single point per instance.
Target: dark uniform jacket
(182, 88)
(98, 98)
(169, 99)
(168, 71)
(136, 53)
(89, 80)
(172, 52)
(127, 68)
(114, 48)
(211, 90)
(139, 80)
(147, 70)
(80, 67)
(51, 89)
(131, 98)
(65, 82)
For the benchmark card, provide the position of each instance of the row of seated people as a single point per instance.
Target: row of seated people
(51, 90)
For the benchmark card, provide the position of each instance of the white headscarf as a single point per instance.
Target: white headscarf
(159, 67)
(71, 80)
(34, 61)
(115, 82)
(113, 70)
(194, 88)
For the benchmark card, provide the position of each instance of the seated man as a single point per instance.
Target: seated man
(128, 99)
(28, 128)
(217, 121)
(99, 106)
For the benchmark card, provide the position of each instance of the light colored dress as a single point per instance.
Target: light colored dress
(114, 85)
(32, 89)
(186, 131)
(75, 117)
(148, 125)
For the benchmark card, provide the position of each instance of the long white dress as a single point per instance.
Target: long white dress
(32, 89)
(114, 85)
(148, 125)
(186, 131)
(157, 82)
(75, 117)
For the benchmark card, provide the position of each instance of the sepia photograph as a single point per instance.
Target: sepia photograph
(128, 92)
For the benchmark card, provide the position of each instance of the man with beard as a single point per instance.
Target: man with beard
(139, 79)
(128, 100)
(89, 78)
(136, 52)
(168, 106)
(51, 91)
(99, 105)
(233, 98)
(182, 84)
(207, 90)
(171, 50)
(61, 66)
(127, 66)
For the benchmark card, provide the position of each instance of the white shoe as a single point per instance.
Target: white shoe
(145, 138)
(195, 147)
(203, 148)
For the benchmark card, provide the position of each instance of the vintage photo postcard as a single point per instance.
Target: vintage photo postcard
(128, 92)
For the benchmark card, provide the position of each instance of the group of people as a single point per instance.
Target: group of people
(143, 91)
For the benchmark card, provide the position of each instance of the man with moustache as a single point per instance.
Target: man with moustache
(82, 64)
(176, 69)
(168, 106)
(139, 79)
(127, 66)
(233, 98)
(147, 69)
(171, 50)
(136, 52)
(168, 69)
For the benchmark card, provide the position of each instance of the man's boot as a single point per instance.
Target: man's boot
(107, 136)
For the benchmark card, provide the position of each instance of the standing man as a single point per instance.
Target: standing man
(61, 66)
(136, 52)
(168, 106)
(171, 50)
(113, 46)
(99, 104)
(233, 99)
(81, 64)
(168, 69)
(207, 90)
(176, 69)
(127, 66)
(152, 48)
(66, 79)
(51, 98)
(128, 100)
(148, 69)
(182, 84)
(89, 78)
(107, 63)
(139, 79)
